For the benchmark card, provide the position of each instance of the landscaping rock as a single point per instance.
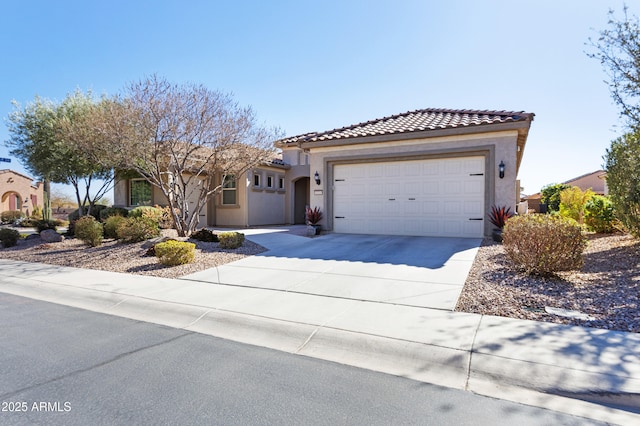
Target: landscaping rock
(32, 237)
(51, 236)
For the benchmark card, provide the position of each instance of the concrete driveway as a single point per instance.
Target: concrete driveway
(412, 271)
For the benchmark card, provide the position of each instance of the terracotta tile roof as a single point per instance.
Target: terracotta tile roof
(414, 121)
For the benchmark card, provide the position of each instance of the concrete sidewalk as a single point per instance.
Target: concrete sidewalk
(522, 361)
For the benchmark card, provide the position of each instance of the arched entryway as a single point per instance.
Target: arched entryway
(11, 201)
(300, 200)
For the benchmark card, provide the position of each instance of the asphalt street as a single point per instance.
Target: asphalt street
(62, 365)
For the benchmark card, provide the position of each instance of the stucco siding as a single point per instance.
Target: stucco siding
(18, 192)
(495, 147)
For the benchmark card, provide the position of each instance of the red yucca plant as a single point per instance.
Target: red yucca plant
(313, 215)
(499, 215)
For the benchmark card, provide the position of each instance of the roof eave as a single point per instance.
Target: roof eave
(521, 126)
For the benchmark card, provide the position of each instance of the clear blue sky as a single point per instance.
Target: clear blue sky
(313, 66)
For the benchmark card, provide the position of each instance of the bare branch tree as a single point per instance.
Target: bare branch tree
(186, 140)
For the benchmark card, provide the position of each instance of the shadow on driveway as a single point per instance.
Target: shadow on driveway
(423, 252)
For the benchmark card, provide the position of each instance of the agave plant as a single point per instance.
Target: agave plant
(499, 215)
(313, 216)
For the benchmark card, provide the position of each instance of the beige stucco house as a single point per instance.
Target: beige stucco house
(19, 192)
(256, 198)
(431, 172)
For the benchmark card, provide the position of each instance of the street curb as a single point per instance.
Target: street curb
(483, 369)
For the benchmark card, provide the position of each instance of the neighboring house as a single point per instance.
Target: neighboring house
(18, 192)
(432, 172)
(595, 181)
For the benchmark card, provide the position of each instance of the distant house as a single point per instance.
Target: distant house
(18, 192)
(595, 181)
(430, 172)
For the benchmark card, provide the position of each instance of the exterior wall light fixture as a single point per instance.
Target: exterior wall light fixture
(501, 169)
(316, 176)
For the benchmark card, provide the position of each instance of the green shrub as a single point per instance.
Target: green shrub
(111, 226)
(573, 201)
(551, 196)
(41, 225)
(135, 229)
(29, 223)
(599, 215)
(89, 230)
(172, 253)
(542, 244)
(75, 215)
(11, 216)
(231, 240)
(146, 211)
(95, 212)
(205, 235)
(9, 237)
(622, 163)
(113, 211)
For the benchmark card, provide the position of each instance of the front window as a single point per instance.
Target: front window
(140, 193)
(229, 191)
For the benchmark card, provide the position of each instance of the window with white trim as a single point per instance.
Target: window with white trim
(280, 183)
(257, 180)
(229, 190)
(270, 182)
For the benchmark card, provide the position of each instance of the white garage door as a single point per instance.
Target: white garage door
(438, 197)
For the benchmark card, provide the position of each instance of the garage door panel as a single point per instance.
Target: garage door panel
(434, 197)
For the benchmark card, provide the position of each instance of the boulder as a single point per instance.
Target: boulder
(51, 236)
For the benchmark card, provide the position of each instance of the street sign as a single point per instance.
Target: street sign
(6, 160)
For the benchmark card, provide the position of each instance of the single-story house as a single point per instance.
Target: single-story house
(19, 192)
(431, 172)
(595, 181)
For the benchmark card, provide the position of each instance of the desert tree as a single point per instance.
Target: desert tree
(187, 140)
(618, 50)
(38, 137)
(622, 162)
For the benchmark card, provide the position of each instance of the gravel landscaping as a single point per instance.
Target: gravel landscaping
(129, 258)
(604, 294)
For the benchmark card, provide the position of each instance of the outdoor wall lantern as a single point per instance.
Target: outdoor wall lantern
(501, 169)
(316, 176)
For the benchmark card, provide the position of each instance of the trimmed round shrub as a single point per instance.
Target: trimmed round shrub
(89, 230)
(11, 216)
(111, 226)
(205, 235)
(173, 253)
(113, 211)
(135, 229)
(230, 240)
(9, 237)
(542, 244)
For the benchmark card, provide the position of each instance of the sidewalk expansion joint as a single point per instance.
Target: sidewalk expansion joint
(471, 351)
